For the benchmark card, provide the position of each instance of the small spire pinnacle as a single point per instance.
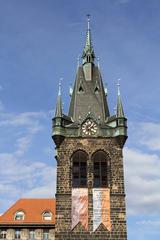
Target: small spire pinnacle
(88, 21)
(88, 52)
(118, 86)
(120, 112)
(59, 87)
(58, 112)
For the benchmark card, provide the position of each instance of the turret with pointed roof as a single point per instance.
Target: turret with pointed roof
(58, 112)
(120, 112)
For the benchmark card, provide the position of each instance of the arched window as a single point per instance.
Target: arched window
(47, 215)
(31, 234)
(19, 215)
(3, 234)
(46, 234)
(100, 169)
(17, 234)
(79, 171)
(88, 58)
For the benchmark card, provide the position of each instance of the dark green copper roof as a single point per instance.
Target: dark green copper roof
(88, 96)
(120, 112)
(58, 112)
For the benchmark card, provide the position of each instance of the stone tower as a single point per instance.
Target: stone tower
(90, 196)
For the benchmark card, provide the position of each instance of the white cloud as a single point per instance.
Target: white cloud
(147, 134)
(21, 176)
(22, 145)
(142, 179)
(30, 119)
(149, 223)
(25, 125)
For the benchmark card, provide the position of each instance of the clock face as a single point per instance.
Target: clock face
(89, 128)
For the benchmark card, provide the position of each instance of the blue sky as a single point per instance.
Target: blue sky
(39, 44)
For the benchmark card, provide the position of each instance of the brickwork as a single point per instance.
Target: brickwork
(64, 189)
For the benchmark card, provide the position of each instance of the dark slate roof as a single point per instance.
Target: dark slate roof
(88, 96)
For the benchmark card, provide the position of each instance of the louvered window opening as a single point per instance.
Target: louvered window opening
(100, 169)
(79, 174)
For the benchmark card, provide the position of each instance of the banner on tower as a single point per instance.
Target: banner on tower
(101, 208)
(80, 207)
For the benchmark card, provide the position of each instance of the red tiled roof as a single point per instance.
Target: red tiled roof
(33, 209)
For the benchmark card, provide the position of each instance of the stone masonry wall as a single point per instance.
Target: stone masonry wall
(64, 190)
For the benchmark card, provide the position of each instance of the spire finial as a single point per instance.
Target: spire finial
(118, 85)
(88, 21)
(58, 112)
(88, 55)
(120, 112)
(59, 86)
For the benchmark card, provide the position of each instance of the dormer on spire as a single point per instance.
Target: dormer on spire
(120, 112)
(88, 55)
(58, 112)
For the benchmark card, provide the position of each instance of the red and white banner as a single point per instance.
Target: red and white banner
(80, 207)
(101, 208)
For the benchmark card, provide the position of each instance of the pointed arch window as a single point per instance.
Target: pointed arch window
(96, 89)
(81, 90)
(79, 169)
(100, 169)
(88, 58)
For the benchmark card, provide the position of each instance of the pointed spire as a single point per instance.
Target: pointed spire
(120, 112)
(88, 39)
(88, 20)
(105, 89)
(98, 60)
(58, 112)
(78, 61)
(88, 52)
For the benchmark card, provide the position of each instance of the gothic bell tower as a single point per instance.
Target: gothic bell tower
(90, 196)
